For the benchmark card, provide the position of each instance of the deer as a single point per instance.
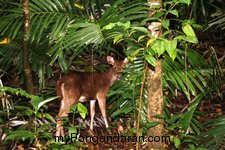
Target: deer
(77, 87)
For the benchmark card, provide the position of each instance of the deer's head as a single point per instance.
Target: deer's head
(118, 65)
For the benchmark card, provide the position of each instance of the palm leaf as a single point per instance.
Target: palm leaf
(214, 137)
(188, 81)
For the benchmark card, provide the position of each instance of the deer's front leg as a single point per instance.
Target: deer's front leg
(92, 108)
(102, 106)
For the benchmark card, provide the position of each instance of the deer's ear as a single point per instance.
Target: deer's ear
(110, 60)
(126, 61)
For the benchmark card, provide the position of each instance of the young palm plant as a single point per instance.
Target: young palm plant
(63, 28)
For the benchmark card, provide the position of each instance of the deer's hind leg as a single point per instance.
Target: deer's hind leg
(69, 99)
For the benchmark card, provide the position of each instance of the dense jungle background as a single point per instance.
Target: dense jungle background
(174, 84)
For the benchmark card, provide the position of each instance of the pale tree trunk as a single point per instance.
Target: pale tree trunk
(155, 102)
(154, 81)
(26, 62)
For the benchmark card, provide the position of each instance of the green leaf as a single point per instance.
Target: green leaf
(193, 80)
(173, 118)
(117, 112)
(35, 100)
(150, 42)
(127, 25)
(186, 118)
(16, 91)
(190, 39)
(171, 46)
(141, 37)
(150, 51)
(62, 62)
(136, 52)
(166, 24)
(174, 55)
(49, 117)
(158, 47)
(185, 1)
(72, 130)
(176, 142)
(45, 101)
(109, 26)
(73, 109)
(181, 84)
(151, 124)
(128, 108)
(117, 38)
(20, 135)
(174, 12)
(82, 110)
(151, 60)
(141, 29)
(112, 25)
(187, 82)
(188, 30)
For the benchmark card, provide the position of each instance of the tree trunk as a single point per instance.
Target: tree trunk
(26, 62)
(154, 81)
(155, 102)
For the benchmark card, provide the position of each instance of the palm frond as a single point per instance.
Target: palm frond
(125, 94)
(219, 20)
(191, 80)
(8, 55)
(214, 137)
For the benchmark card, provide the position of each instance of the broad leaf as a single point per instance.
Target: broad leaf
(190, 39)
(185, 1)
(188, 30)
(166, 23)
(171, 46)
(150, 42)
(159, 47)
(151, 60)
(82, 110)
(174, 12)
(141, 29)
(37, 101)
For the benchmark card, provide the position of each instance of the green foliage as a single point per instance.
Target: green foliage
(26, 133)
(187, 120)
(81, 109)
(213, 138)
(184, 70)
(38, 124)
(161, 45)
(37, 102)
(189, 80)
(218, 19)
(65, 27)
(23, 134)
(61, 29)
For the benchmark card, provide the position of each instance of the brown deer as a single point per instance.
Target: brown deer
(87, 86)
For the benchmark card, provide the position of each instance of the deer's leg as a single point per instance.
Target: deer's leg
(69, 98)
(63, 112)
(92, 111)
(102, 106)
